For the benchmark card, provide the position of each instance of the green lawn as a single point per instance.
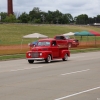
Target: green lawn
(11, 34)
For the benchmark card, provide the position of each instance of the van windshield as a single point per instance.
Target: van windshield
(43, 43)
(67, 37)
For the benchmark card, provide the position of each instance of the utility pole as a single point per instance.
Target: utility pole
(10, 7)
(57, 20)
(0, 17)
(43, 18)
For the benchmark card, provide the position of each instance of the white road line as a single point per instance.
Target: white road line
(76, 72)
(26, 68)
(76, 56)
(88, 59)
(77, 93)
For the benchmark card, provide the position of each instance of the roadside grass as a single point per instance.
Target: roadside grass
(85, 50)
(11, 51)
(23, 56)
(12, 57)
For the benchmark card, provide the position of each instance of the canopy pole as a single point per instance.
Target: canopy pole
(81, 38)
(21, 45)
(95, 41)
(87, 40)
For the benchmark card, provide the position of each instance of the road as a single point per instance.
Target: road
(75, 79)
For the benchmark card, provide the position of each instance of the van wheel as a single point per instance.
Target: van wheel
(48, 59)
(30, 61)
(69, 45)
(65, 57)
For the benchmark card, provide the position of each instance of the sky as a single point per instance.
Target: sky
(74, 7)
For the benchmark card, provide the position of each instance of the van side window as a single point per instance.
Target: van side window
(60, 38)
(54, 43)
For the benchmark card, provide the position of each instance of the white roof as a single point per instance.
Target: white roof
(35, 35)
(70, 33)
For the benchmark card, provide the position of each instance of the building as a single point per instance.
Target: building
(10, 6)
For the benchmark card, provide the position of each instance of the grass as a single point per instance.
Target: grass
(11, 35)
(84, 50)
(10, 57)
(22, 56)
(11, 51)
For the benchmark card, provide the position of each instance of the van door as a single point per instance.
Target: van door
(55, 49)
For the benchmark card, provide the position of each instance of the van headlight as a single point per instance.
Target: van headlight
(40, 54)
(74, 41)
(29, 54)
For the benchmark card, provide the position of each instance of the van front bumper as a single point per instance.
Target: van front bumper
(35, 58)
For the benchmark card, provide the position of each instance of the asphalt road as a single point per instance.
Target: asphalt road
(75, 79)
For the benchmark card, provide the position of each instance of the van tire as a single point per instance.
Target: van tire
(48, 59)
(65, 57)
(30, 61)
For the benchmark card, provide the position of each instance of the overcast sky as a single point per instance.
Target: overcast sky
(74, 7)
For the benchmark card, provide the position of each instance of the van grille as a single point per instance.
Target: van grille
(35, 55)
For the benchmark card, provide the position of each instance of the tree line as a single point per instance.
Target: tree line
(37, 16)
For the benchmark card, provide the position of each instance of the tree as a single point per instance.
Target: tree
(90, 20)
(65, 19)
(82, 19)
(11, 18)
(50, 17)
(98, 19)
(24, 18)
(3, 16)
(70, 18)
(35, 14)
(56, 15)
(37, 21)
